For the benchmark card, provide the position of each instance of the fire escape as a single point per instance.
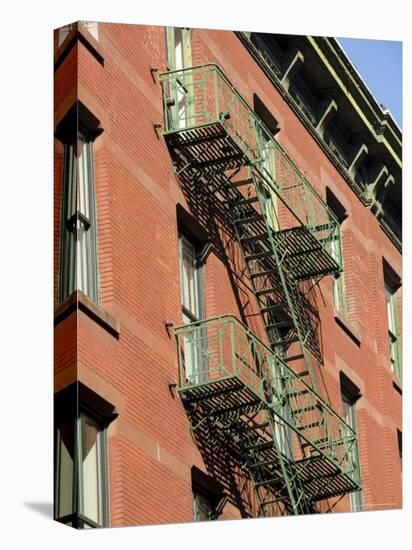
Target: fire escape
(260, 400)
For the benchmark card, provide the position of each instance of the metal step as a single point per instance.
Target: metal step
(260, 446)
(240, 183)
(272, 501)
(256, 427)
(284, 342)
(263, 273)
(258, 255)
(281, 324)
(266, 482)
(311, 425)
(280, 305)
(250, 219)
(254, 238)
(263, 464)
(296, 393)
(323, 442)
(304, 409)
(295, 358)
(244, 201)
(265, 291)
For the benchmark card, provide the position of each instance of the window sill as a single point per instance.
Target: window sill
(81, 34)
(79, 301)
(348, 327)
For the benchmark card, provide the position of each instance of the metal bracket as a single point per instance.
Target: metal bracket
(168, 325)
(156, 128)
(153, 71)
(172, 386)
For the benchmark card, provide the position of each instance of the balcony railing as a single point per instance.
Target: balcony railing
(202, 96)
(222, 349)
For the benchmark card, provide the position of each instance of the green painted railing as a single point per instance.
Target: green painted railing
(202, 96)
(221, 348)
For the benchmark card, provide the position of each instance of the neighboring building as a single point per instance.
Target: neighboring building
(228, 280)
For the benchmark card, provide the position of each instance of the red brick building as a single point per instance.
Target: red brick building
(228, 278)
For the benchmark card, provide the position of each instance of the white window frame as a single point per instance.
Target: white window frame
(395, 356)
(78, 240)
(78, 516)
(350, 417)
(195, 363)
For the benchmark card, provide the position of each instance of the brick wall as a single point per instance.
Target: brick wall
(151, 449)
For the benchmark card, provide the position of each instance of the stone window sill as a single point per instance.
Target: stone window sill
(348, 327)
(79, 301)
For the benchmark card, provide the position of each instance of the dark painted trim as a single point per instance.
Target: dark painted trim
(348, 328)
(84, 37)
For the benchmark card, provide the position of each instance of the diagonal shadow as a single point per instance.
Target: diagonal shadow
(42, 508)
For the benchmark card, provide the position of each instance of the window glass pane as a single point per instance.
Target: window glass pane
(190, 279)
(390, 299)
(179, 62)
(349, 415)
(201, 507)
(78, 261)
(91, 469)
(65, 458)
(83, 191)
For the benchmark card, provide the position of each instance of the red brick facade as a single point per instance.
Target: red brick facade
(150, 448)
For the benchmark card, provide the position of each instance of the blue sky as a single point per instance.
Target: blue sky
(379, 62)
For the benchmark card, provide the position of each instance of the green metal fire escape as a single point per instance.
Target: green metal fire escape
(285, 231)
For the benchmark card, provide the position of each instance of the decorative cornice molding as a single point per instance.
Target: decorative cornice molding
(328, 110)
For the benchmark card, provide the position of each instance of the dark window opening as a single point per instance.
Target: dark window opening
(208, 496)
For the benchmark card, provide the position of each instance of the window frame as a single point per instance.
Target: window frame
(391, 302)
(198, 267)
(78, 262)
(337, 252)
(338, 280)
(349, 408)
(196, 368)
(211, 490)
(182, 90)
(78, 130)
(71, 406)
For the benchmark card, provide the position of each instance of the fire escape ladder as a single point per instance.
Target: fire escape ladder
(238, 392)
(243, 399)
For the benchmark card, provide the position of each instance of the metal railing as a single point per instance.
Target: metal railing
(203, 96)
(221, 348)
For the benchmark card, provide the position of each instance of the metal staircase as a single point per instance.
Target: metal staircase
(247, 401)
(285, 231)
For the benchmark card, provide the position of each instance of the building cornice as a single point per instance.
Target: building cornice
(379, 125)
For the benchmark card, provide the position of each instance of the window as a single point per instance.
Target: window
(191, 280)
(399, 438)
(349, 415)
(202, 507)
(78, 269)
(179, 57)
(393, 330)
(337, 212)
(81, 485)
(268, 168)
(208, 497)
(338, 279)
